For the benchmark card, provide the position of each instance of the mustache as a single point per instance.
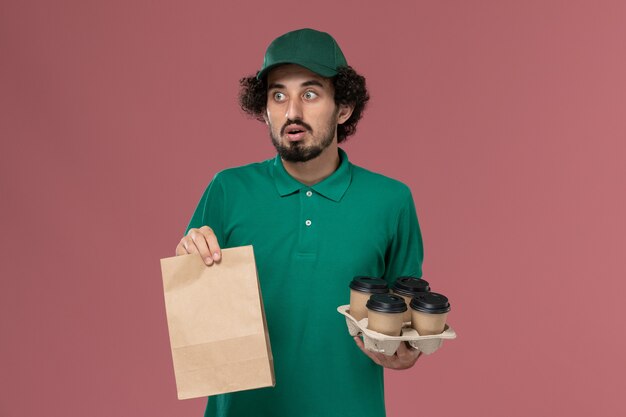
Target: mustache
(295, 122)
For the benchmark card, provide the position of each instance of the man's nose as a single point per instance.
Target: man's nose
(294, 110)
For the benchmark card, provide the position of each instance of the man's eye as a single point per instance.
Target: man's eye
(310, 95)
(279, 96)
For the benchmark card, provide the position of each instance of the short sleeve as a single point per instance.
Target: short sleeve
(405, 253)
(210, 210)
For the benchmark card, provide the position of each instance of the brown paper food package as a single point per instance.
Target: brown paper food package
(217, 327)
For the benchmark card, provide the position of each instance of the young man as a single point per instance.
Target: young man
(315, 221)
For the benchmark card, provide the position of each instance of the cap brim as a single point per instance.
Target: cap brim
(311, 66)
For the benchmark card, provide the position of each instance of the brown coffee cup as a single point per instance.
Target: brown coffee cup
(384, 313)
(429, 312)
(361, 289)
(407, 288)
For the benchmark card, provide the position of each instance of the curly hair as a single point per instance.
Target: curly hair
(349, 87)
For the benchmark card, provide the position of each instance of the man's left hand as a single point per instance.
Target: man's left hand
(404, 358)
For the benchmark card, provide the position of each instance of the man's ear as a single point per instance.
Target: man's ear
(345, 111)
(267, 120)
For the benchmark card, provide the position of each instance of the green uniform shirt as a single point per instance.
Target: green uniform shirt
(309, 242)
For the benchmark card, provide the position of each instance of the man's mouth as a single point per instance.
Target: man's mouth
(294, 133)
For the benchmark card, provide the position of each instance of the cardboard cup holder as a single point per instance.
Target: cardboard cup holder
(378, 342)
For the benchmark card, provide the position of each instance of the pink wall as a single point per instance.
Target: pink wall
(507, 119)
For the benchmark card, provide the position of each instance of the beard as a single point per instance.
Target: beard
(297, 151)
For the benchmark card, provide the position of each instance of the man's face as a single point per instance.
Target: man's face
(301, 112)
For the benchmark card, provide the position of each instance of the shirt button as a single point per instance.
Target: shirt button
(309, 193)
(308, 222)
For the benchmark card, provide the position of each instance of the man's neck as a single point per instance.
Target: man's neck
(317, 169)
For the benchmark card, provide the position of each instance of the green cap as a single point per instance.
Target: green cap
(312, 49)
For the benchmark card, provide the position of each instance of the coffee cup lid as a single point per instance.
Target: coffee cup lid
(386, 303)
(410, 286)
(369, 285)
(430, 302)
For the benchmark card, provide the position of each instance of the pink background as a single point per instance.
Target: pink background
(507, 120)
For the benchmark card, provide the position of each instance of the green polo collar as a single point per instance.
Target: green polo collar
(333, 187)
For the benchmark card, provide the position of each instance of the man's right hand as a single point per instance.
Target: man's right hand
(202, 241)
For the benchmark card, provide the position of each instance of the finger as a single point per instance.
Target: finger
(386, 361)
(183, 247)
(411, 353)
(359, 342)
(403, 352)
(369, 354)
(180, 249)
(211, 239)
(406, 357)
(199, 245)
